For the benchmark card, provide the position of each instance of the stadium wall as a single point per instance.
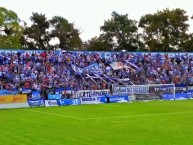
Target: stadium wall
(7, 99)
(14, 105)
(13, 101)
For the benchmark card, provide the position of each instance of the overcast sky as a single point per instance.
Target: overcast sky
(89, 15)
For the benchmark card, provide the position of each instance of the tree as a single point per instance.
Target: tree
(101, 43)
(67, 35)
(188, 44)
(165, 30)
(122, 31)
(10, 29)
(37, 35)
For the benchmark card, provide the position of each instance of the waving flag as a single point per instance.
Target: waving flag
(118, 65)
(92, 69)
(134, 65)
(76, 69)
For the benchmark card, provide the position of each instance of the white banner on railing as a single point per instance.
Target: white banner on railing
(90, 100)
(121, 89)
(51, 103)
(124, 89)
(143, 89)
(91, 93)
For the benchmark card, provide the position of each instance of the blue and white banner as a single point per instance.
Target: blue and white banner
(103, 99)
(36, 95)
(51, 103)
(91, 93)
(118, 99)
(124, 79)
(178, 96)
(76, 69)
(181, 96)
(181, 88)
(76, 101)
(91, 100)
(164, 87)
(102, 54)
(59, 90)
(36, 103)
(54, 96)
(190, 93)
(26, 90)
(133, 65)
(107, 55)
(92, 69)
(6, 92)
(65, 102)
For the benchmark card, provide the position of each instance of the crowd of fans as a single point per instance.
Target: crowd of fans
(49, 69)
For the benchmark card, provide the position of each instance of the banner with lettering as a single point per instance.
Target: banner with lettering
(90, 100)
(65, 102)
(36, 95)
(13, 99)
(51, 103)
(179, 88)
(37, 103)
(121, 89)
(54, 96)
(91, 93)
(6, 92)
(118, 99)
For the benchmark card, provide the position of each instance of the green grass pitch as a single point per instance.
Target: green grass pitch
(139, 123)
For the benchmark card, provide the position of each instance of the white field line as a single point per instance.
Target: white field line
(109, 117)
(142, 115)
(55, 114)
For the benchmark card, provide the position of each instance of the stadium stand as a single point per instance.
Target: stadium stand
(47, 70)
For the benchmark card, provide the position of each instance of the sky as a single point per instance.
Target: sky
(89, 15)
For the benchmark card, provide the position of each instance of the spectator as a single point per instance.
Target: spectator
(39, 70)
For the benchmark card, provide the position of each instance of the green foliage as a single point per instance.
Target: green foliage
(66, 33)
(101, 43)
(10, 30)
(122, 31)
(42, 31)
(165, 30)
(36, 36)
(188, 44)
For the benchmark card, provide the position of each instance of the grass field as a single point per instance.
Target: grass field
(140, 123)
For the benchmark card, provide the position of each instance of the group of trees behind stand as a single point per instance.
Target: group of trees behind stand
(166, 30)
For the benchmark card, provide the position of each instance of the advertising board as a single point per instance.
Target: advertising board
(51, 103)
(36, 103)
(91, 93)
(13, 99)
